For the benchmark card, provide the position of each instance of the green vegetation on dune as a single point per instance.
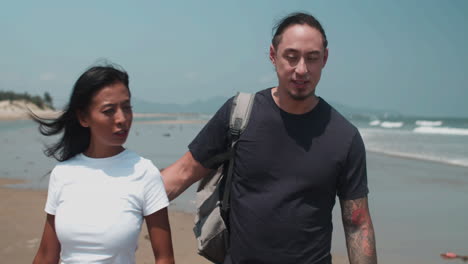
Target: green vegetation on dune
(41, 102)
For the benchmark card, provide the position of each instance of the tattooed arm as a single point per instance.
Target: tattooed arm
(359, 232)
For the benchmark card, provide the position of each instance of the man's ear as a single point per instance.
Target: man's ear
(325, 57)
(273, 54)
(82, 118)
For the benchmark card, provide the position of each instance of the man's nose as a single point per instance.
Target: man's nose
(301, 67)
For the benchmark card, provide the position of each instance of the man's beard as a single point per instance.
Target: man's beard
(301, 97)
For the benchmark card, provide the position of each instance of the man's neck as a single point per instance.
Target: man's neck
(292, 106)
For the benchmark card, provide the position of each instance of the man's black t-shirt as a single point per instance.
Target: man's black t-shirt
(288, 170)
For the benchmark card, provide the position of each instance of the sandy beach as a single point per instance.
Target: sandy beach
(23, 219)
(23, 215)
(418, 207)
(18, 110)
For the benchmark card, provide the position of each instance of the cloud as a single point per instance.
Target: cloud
(47, 76)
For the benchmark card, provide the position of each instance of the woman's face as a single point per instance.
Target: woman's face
(109, 118)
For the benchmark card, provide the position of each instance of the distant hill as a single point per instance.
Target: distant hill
(211, 105)
(207, 106)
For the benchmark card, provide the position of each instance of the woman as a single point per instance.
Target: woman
(100, 192)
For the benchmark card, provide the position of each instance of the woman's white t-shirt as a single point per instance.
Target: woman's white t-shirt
(99, 206)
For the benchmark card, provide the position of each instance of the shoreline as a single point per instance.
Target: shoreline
(412, 157)
(171, 122)
(12, 110)
(49, 114)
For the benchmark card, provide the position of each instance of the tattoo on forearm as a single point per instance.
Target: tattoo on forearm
(359, 232)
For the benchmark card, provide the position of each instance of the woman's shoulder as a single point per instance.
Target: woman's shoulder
(73, 161)
(139, 162)
(65, 168)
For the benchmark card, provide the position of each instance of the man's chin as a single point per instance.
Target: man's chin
(301, 96)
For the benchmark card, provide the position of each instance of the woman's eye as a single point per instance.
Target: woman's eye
(108, 111)
(127, 108)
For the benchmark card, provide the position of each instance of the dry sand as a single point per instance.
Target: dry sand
(18, 110)
(22, 219)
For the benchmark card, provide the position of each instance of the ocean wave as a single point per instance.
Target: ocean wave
(427, 123)
(442, 130)
(456, 162)
(388, 124)
(375, 123)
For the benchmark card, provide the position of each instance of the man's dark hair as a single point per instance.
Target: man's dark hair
(75, 138)
(297, 19)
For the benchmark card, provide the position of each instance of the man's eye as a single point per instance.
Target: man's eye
(312, 58)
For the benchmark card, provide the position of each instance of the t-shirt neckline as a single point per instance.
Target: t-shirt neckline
(313, 110)
(107, 159)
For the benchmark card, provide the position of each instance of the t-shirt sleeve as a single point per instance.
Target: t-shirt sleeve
(353, 181)
(154, 194)
(52, 194)
(213, 138)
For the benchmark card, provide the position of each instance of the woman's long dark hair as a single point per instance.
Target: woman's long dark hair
(75, 138)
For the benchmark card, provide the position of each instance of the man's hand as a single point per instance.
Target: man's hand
(359, 231)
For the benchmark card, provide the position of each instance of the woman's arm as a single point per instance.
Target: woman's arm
(49, 249)
(160, 236)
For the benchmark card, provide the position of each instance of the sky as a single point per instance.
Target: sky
(408, 56)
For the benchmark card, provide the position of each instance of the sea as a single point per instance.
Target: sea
(417, 173)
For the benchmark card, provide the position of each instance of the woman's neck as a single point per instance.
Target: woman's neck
(102, 152)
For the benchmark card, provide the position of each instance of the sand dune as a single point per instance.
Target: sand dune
(18, 109)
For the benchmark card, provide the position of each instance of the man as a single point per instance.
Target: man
(295, 156)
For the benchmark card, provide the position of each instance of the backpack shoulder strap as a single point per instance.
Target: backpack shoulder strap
(238, 120)
(240, 114)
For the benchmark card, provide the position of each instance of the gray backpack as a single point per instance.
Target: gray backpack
(213, 193)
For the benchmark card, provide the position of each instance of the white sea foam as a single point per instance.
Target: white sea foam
(375, 123)
(388, 124)
(457, 162)
(428, 123)
(442, 130)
